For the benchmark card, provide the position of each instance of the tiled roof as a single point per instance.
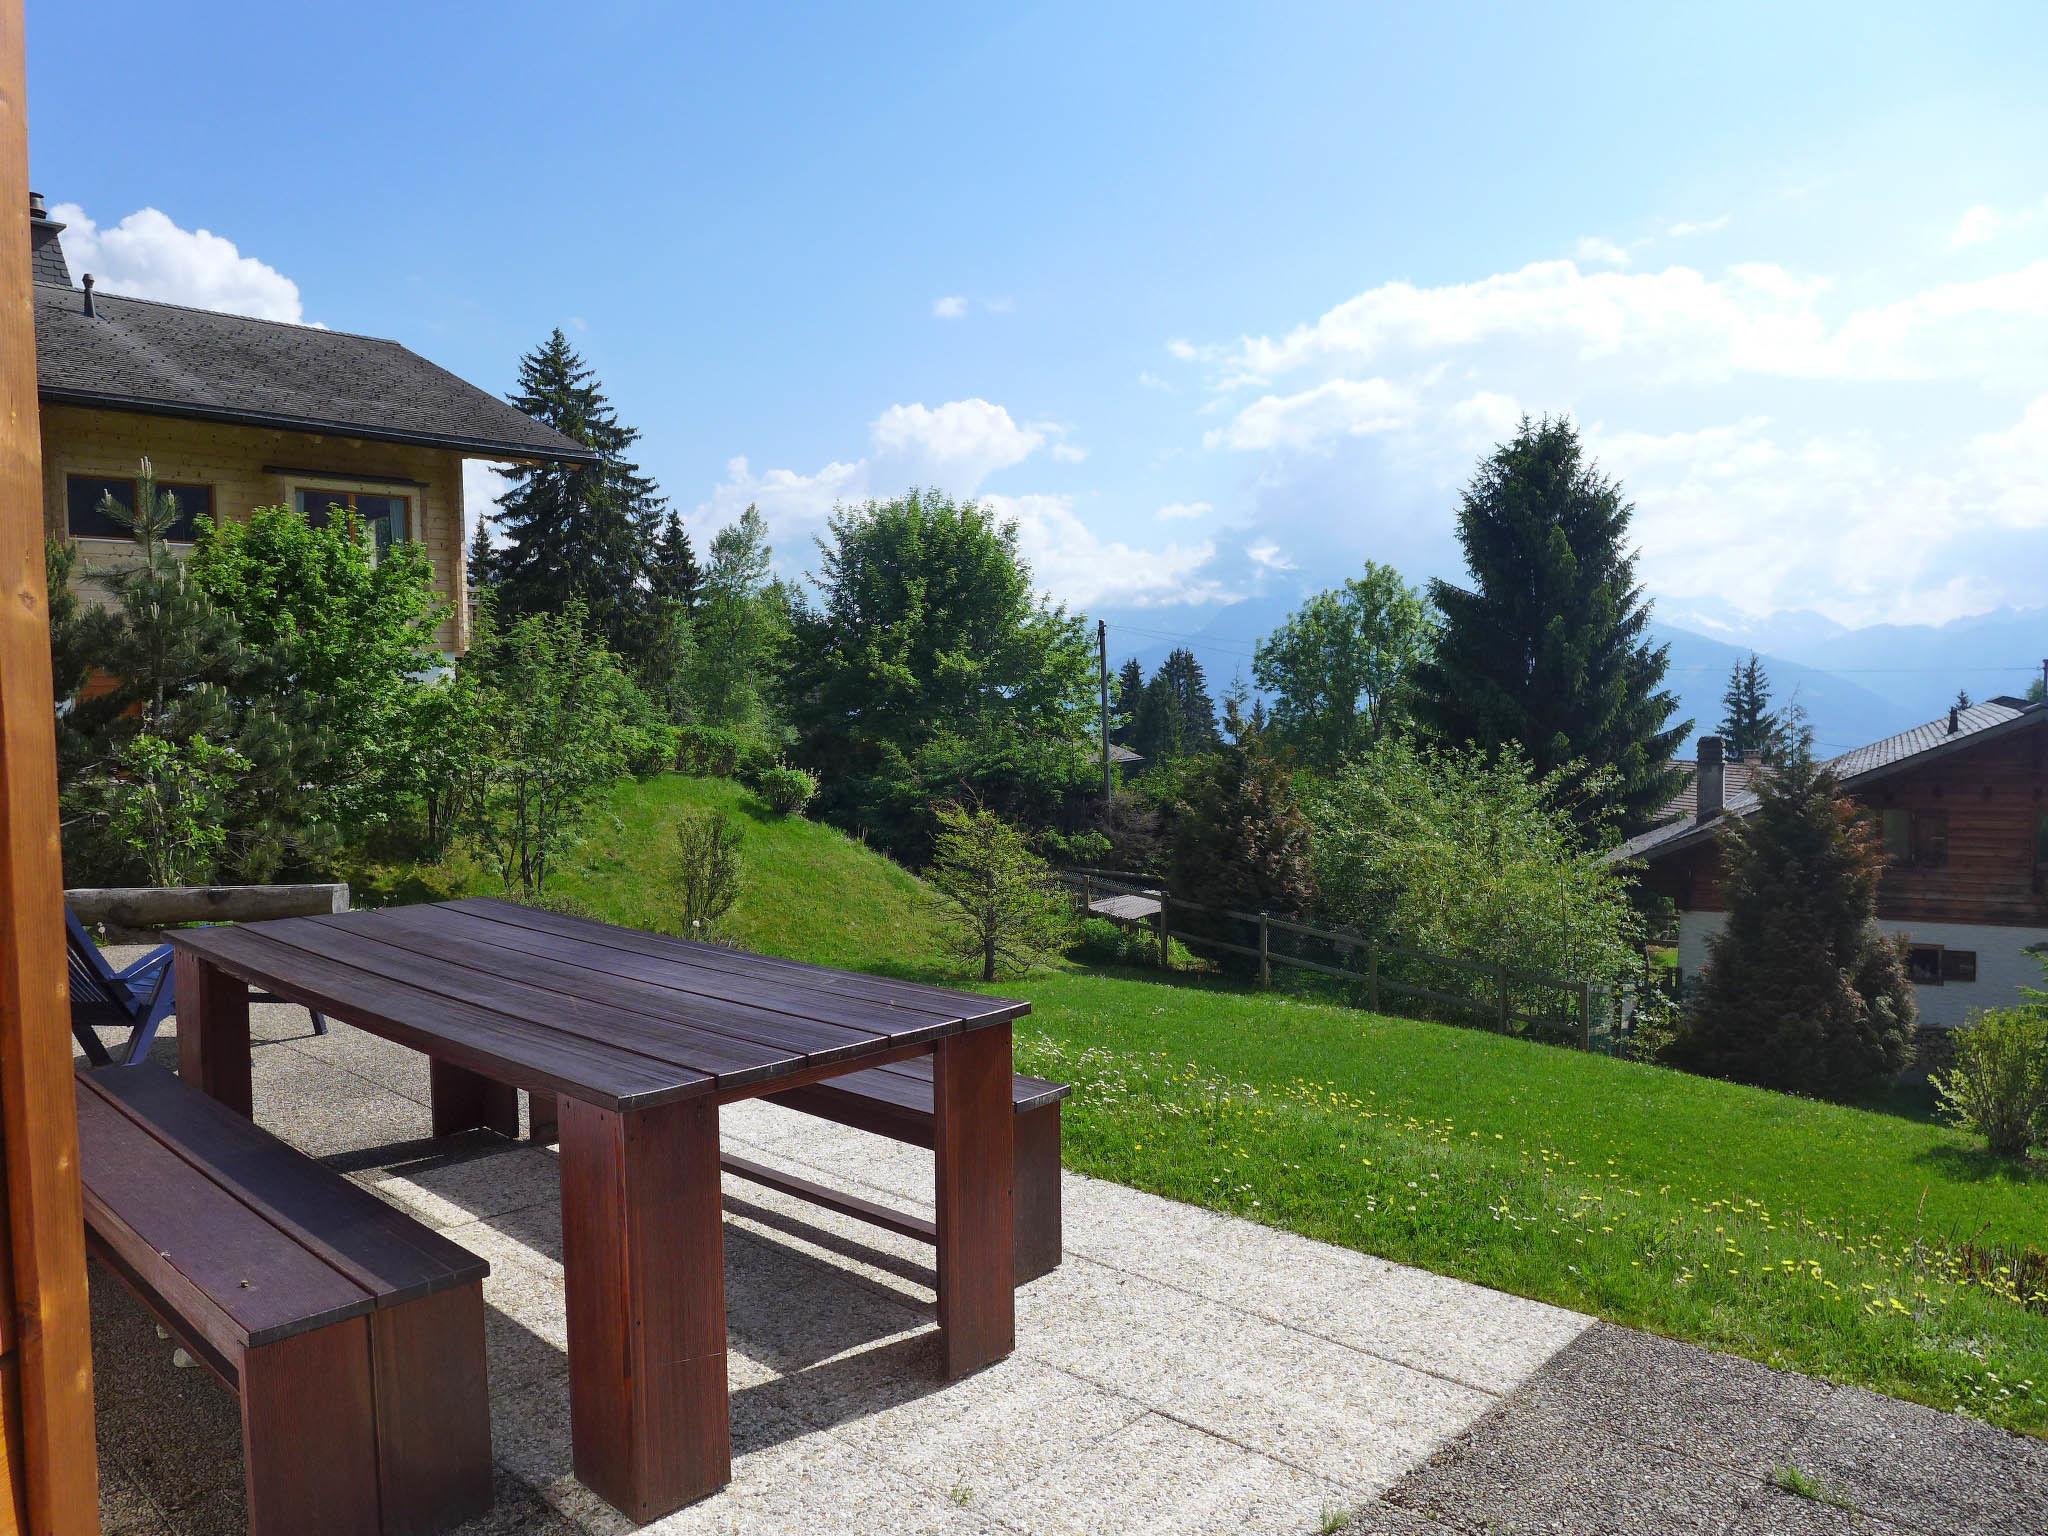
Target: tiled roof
(1852, 768)
(165, 359)
(1735, 776)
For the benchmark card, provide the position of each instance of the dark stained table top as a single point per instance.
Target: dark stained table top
(612, 1016)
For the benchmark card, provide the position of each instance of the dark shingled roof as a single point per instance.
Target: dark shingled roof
(1854, 769)
(167, 360)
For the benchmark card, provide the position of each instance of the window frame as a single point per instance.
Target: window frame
(188, 517)
(1934, 977)
(1955, 961)
(1914, 837)
(345, 492)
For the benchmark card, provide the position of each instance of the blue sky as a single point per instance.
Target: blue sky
(1218, 302)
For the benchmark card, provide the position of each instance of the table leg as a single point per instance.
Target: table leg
(974, 1142)
(464, 1100)
(644, 1262)
(213, 1032)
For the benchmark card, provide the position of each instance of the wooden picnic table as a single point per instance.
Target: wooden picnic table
(639, 1037)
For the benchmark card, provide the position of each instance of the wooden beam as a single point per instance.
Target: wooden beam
(38, 1116)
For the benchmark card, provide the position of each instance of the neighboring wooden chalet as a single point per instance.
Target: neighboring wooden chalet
(236, 413)
(1962, 805)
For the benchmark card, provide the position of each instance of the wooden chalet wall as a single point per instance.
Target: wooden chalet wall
(49, 1480)
(236, 462)
(1991, 794)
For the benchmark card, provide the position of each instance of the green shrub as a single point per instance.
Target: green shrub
(707, 871)
(713, 752)
(787, 790)
(1999, 1087)
(1002, 907)
(1102, 942)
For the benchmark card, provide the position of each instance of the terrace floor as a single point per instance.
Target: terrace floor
(1181, 1372)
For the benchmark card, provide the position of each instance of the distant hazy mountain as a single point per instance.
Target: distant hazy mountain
(1845, 711)
(1920, 666)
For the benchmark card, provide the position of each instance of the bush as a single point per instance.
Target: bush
(1102, 942)
(787, 790)
(713, 752)
(1241, 845)
(1999, 1087)
(999, 900)
(707, 872)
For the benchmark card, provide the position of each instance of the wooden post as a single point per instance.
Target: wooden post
(1265, 954)
(1585, 1016)
(46, 1420)
(1165, 957)
(1087, 895)
(1372, 975)
(1500, 984)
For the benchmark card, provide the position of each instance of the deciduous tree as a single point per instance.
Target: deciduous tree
(1340, 667)
(998, 901)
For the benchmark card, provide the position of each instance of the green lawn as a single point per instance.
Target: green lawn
(1806, 1235)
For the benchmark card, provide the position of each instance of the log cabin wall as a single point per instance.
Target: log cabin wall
(1990, 801)
(238, 463)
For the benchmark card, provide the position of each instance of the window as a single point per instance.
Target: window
(1916, 839)
(84, 493)
(1959, 965)
(1923, 964)
(388, 517)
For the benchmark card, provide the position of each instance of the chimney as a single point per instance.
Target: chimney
(88, 295)
(1955, 719)
(1708, 797)
(45, 254)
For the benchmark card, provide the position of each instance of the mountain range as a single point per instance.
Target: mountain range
(1854, 685)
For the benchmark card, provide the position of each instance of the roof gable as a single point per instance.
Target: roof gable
(169, 360)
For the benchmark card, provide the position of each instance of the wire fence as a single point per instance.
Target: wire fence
(1379, 975)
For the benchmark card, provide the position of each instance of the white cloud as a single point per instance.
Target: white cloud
(795, 505)
(961, 442)
(1150, 380)
(1182, 349)
(1686, 227)
(1481, 420)
(1337, 408)
(951, 307)
(1179, 511)
(482, 485)
(1071, 564)
(1068, 453)
(1268, 556)
(1598, 248)
(148, 256)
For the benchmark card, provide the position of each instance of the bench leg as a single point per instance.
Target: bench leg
(433, 1411)
(464, 1100)
(540, 1116)
(1038, 1192)
(309, 1445)
(213, 1032)
(974, 1142)
(643, 1256)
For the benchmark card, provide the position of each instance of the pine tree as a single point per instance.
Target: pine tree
(1802, 991)
(482, 557)
(1750, 728)
(1549, 646)
(1175, 715)
(575, 532)
(674, 575)
(1130, 688)
(1963, 699)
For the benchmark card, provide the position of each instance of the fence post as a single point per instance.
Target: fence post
(1500, 982)
(1585, 1016)
(1165, 958)
(1372, 971)
(1265, 954)
(1087, 895)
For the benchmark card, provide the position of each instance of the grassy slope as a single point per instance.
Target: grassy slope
(1793, 1232)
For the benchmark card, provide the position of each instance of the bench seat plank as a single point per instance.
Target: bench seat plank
(381, 1249)
(186, 1237)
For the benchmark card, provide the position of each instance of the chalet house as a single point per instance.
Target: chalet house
(236, 413)
(1962, 806)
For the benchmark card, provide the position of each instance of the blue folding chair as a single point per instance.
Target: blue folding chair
(138, 998)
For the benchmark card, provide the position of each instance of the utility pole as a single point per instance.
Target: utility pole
(1102, 675)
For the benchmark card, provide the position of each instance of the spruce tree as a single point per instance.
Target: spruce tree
(1240, 844)
(1130, 688)
(1176, 717)
(673, 574)
(482, 557)
(575, 532)
(1549, 645)
(1802, 991)
(1749, 726)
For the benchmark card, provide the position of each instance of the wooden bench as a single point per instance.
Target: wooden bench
(352, 1335)
(896, 1101)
